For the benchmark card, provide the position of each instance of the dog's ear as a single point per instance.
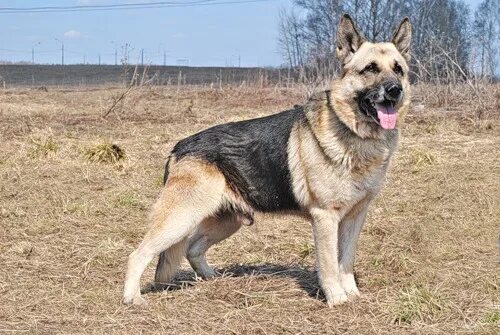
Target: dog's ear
(402, 38)
(349, 39)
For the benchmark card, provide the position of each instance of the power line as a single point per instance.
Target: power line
(12, 50)
(41, 51)
(163, 4)
(103, 6)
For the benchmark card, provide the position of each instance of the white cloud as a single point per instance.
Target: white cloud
(178, 35)
(73, 34)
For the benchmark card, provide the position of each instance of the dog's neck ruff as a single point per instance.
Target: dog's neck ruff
(335, 137)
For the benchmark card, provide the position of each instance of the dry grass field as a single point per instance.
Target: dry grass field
(72, 207)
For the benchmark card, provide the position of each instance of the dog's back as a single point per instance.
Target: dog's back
(252, 155)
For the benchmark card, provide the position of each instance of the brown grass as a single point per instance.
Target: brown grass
(427, 260)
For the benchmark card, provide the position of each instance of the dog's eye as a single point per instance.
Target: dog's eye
(372, 67)
(398, 69)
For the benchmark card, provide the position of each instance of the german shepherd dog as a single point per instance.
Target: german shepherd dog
(325, 160)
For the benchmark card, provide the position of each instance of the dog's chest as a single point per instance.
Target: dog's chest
(332, 169)
(340, 179)
(348, 183)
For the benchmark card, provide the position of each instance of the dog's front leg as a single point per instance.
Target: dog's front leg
(349, 230)
(325, 228)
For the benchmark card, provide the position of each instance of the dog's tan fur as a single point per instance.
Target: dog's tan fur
(335, 174)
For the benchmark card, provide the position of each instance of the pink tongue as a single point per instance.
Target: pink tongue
(387, 116)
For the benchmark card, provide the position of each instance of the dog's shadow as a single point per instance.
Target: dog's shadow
(304, 277)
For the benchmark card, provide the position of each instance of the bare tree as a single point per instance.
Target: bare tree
(291, 38)
(486, 32)
(441, 43)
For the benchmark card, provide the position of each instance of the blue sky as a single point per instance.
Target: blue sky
(205, 35)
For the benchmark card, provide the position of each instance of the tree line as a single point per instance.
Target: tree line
(450, 43)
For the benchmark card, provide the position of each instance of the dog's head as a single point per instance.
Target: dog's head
(374, 87)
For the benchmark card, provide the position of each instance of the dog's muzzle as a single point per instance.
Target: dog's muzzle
(393, 91)
(379, 103)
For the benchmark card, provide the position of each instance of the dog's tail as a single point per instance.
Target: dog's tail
(171, 258)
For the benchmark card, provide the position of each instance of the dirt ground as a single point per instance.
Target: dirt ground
(428, 257)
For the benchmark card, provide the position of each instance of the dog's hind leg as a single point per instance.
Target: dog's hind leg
(349, 230)
(169, 261)
(212, 230)
(193, 192)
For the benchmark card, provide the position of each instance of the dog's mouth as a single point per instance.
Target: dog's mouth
(380, 105)
(383, 113)
(386, 114)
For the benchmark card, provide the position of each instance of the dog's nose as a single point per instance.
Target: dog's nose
(393, 91)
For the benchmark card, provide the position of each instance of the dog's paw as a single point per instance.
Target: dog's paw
(208, 274)
(337, 299)
(335, 296)
(136, 300)
(353, 293)
(349, 285)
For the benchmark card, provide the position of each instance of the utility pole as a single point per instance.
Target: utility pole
(126, 53)
(62, 50)
(239, 57)
(142, 57)
(33, 52)
(162, 46)
(116, 53)
(84, 59)
(99, 59)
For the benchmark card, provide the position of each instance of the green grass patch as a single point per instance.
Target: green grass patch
(129, 199)
(306, 250)
(105, 153)
(421, 158)
(42, 147)
(417, 304)
(493, 317)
